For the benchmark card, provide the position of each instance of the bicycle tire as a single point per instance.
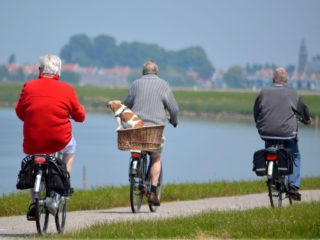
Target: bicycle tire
(42, 213)
(136, 195)
(61, 214)
(275, 188)
(286, 192)
(159, 190)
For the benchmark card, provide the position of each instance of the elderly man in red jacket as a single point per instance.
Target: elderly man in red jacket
(45, 106)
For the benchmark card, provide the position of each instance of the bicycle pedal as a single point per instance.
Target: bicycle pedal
(296, 196)
(69, 192)
(31, 218)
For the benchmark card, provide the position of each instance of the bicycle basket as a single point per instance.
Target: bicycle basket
(147, 138)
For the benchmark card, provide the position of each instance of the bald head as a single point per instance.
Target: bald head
(150, 67)
(280, 76)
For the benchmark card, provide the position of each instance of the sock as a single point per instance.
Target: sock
(153, 189)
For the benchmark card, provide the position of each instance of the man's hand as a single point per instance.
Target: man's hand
(174, 124)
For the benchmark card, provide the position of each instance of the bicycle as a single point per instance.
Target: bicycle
(140, 181)
(47, 201)
(143, 140)
(277, 180)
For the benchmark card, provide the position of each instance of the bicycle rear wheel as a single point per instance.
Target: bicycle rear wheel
(136, 195)
(61, 215)
(275, 187)
(286, 190)
(42, 213)
(159, 190)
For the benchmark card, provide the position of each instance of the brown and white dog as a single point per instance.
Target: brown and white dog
(125, 117)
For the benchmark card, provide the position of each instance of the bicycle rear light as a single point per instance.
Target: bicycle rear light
(39, 160)
(135, 154)
(272, 157)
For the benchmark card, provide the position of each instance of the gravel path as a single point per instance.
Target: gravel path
(18, 226)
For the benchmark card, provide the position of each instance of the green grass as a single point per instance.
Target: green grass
(209, 101)
(109, 197)
(297, 221)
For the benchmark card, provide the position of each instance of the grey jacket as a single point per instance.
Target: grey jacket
(150, 97)
(274, 112)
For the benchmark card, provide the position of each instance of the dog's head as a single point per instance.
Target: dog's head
(114, 105)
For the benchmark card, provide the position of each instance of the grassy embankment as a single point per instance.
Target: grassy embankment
(212, 103)
(109, 197)
(296, 221)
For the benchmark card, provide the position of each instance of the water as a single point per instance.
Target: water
(199, 150)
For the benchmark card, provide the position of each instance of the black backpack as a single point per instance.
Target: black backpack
(58, 178)
(285, 161)
(259, 163)
(26, 174)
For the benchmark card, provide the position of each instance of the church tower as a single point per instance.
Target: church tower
(303, 57)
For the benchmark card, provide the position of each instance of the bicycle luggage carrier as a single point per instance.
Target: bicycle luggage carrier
(147, 138)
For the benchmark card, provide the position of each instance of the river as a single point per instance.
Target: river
(199, 150)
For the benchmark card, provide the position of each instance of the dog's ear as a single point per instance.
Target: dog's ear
(109, 105)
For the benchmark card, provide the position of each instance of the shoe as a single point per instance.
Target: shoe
(153, 199)
(293, 191)
(69, 192)
(31, 215)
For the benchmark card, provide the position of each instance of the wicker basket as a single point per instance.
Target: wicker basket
(147, 138)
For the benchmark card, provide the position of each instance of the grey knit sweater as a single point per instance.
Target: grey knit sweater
(150, 97)
(274, 112)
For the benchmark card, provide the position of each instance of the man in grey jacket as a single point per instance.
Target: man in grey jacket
(275, 111)
(150, 97)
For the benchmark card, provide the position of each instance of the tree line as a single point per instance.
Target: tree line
(103, 51)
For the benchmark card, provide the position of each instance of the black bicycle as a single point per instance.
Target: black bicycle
(47, 201)
(279, 165)
(140, 181)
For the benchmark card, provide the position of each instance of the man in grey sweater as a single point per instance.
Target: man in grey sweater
(150, 98)
(275, 112)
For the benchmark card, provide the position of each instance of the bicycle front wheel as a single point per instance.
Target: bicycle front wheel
(61, 215)
(159, 190)
(136, 195)
(42, 213)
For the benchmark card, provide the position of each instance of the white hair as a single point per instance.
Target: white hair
(50, 64)
(150, 67)
(280, 76)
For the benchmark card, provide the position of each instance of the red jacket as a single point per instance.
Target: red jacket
(44, 106)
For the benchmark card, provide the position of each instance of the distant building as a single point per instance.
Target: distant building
(302, 58)
(307, 75)
(217, 79)
(116, 76)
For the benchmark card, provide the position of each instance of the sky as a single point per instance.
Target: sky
(232, 32)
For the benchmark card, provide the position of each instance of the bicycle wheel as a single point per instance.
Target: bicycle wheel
(275, 190)
(61, 215)
(42, 213)
(135, 194)
(159, 190)
(286, 190)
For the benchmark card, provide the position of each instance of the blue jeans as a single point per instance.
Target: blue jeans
(294, 178)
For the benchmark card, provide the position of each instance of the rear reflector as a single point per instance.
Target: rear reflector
(39, 160)
(272, 158)
(134, 154)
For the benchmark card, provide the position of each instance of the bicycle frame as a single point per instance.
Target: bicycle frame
(40, 163)
(138, 164)
(271, 159)
(276, 183)
(140, 182)
(47, 201)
